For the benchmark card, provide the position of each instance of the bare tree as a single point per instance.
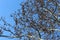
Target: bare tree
(36, 20)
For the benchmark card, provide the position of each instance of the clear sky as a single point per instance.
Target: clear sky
(7, 7)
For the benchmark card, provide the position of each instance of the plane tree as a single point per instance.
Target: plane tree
(36, 20)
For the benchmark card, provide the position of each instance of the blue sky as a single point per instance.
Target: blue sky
(7, 7)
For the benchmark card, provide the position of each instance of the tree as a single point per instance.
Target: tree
(36, 20)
